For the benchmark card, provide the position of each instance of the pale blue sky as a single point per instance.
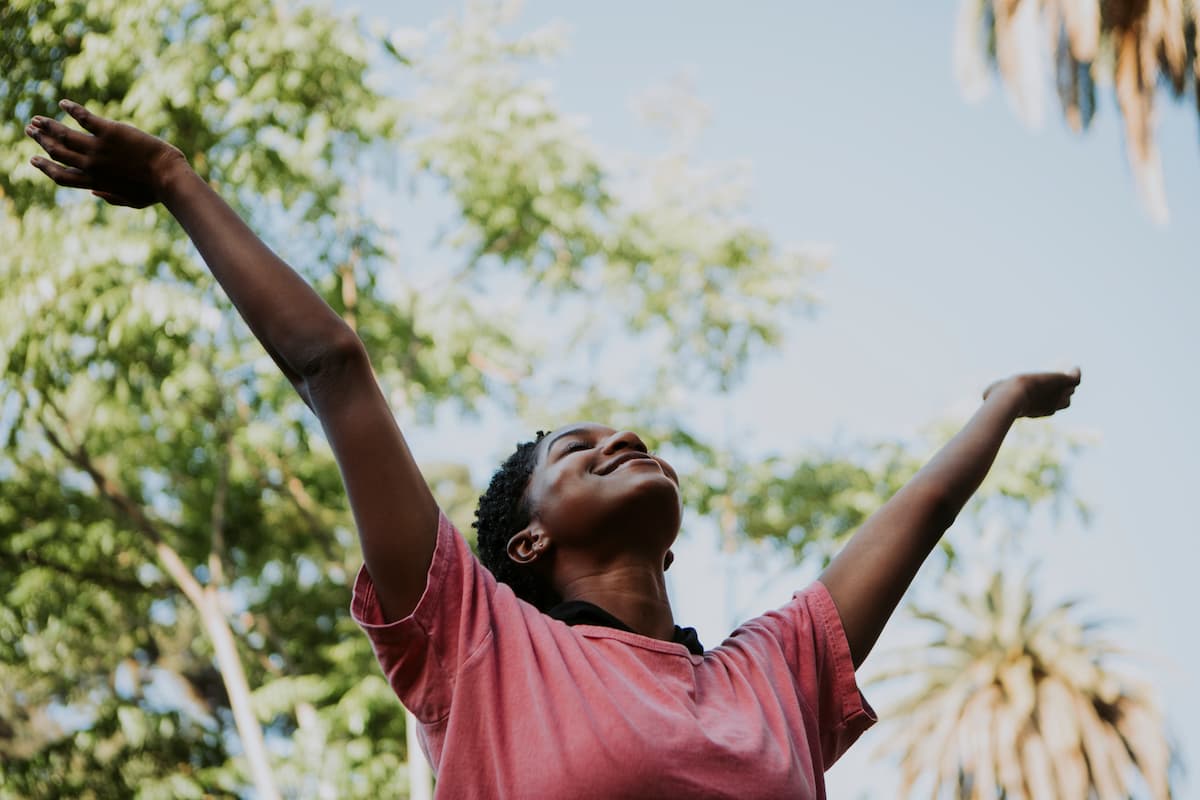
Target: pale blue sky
(964, 248)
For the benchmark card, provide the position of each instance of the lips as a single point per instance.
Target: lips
(630, 455)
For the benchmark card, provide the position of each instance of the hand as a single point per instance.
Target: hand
(1039, 394)
(117, 162)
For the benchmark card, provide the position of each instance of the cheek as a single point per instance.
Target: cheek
(569, 497)
(555, 497)
(569, 505)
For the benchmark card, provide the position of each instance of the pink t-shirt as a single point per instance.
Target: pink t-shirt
(515, 704)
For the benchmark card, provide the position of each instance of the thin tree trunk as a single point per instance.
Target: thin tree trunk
(234, 677)
(229, 664)
(206, 601)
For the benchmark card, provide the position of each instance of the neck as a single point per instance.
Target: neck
(635, 594)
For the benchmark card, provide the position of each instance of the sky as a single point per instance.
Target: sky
(964, 247)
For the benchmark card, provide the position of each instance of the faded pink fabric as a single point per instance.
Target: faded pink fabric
(514, 704)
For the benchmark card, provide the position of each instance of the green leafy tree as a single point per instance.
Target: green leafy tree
(175, 547)
(158, 477)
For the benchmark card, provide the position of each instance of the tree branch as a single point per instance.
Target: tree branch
(133, 511)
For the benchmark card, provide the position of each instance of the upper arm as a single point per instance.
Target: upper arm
(394, 510)
(806, 636)
(870, 575)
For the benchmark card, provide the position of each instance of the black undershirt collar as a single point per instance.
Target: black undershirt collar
(581, 612)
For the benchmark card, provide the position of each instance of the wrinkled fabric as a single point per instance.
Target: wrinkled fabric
(515, 704)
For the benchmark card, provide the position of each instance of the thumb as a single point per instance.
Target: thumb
(112, 199)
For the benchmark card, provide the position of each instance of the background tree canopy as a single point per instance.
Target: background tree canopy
(175, 547)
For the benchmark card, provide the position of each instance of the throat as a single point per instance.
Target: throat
(642, 607)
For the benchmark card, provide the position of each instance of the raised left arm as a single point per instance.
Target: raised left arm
(871, 574)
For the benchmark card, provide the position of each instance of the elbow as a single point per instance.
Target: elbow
(921, 507)
(341, 347)
(945, 511)
(338, 353)
(928, 507)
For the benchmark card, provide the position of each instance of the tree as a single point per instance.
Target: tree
(175, 547)
(1012, 700)
(1138, 46)
(160, 495)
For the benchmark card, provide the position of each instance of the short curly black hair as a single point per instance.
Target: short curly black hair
(503, 511)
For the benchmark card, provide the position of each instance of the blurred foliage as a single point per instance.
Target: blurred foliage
(162, 483)
(810, 503)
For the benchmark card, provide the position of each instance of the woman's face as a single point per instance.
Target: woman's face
(600, 491)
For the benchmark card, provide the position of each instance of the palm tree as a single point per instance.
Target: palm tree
(1008, 703)
(1135, 45)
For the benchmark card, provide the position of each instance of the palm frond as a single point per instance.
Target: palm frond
(1136, 45)
(1020, 702)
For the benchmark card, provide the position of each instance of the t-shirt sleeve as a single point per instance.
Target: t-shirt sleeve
(813, 642)
(422, 654)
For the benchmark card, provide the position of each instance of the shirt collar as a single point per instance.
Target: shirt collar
(581, 612)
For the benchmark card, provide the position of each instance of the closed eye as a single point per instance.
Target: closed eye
(575, 445)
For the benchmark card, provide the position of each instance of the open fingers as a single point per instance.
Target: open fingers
(78, 141)
(63, 175)
(60, 142)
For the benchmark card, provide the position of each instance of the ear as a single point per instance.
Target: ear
(668, 561)
(528, 546)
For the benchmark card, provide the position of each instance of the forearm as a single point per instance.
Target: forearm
(293, 322)
(954, 474)
(869, 577)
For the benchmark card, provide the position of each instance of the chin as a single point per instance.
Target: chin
(657, 499)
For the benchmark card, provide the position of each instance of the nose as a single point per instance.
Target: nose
(622, 440)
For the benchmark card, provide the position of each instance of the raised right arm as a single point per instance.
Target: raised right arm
(394, 510)
(320, 354)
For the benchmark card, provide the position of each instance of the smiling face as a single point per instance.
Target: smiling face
(598, 496)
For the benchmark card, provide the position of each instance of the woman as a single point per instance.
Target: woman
(561, 672)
